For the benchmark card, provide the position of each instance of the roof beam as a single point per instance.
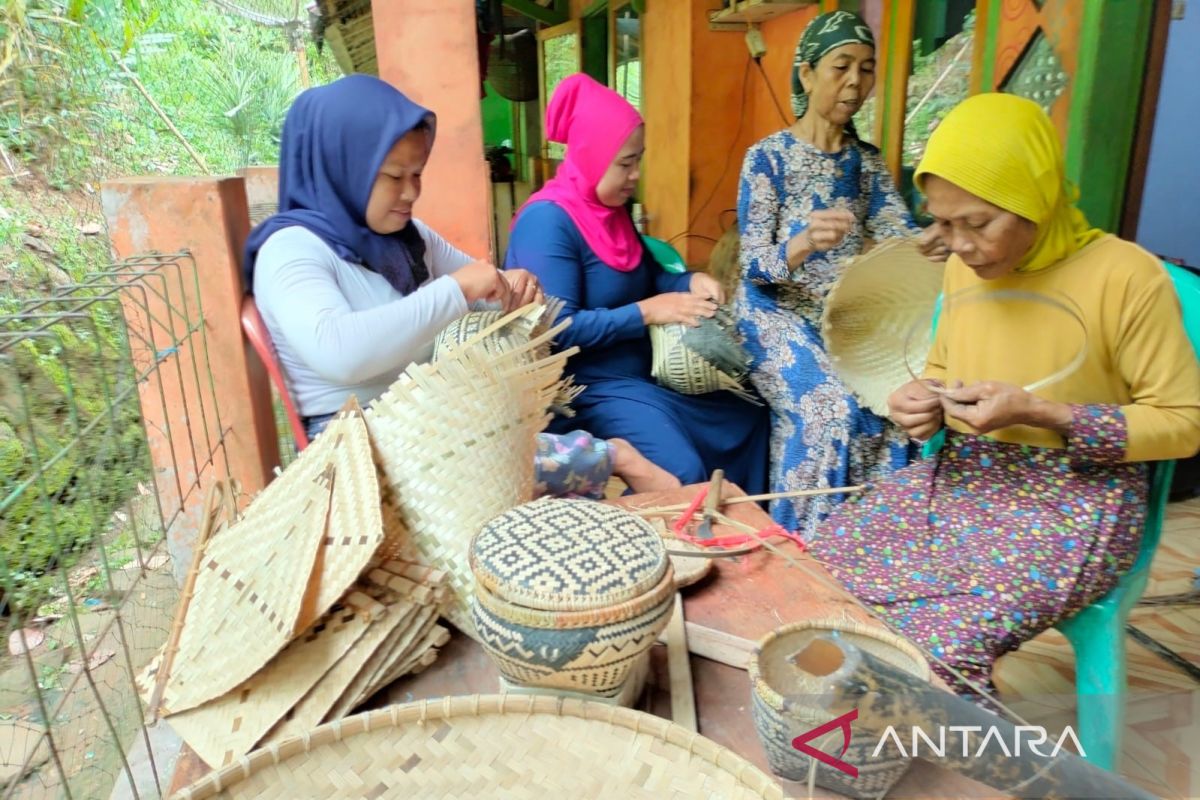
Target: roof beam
(548, 16)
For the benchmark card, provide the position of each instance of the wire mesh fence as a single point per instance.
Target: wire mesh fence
(99, 381)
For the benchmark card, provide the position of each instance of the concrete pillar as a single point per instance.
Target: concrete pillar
(262, 191)
(428, 50)
(206, 398)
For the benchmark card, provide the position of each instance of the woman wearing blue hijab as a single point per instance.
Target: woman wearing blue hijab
(352, 287)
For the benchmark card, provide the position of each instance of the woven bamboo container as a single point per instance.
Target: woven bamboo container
(699, 360)
(785, 703)
(570, 594)
(512, 747)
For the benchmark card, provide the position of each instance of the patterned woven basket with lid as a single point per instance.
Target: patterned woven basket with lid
(786, 702)
(569, 593)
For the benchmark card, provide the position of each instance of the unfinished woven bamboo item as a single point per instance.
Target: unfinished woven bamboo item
(773, 675)
(570, 593)
(493, 747)
(700, 360)
(456, 440)
(498, 335)
(868, 315)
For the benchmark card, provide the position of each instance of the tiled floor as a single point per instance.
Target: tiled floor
(1162, 736)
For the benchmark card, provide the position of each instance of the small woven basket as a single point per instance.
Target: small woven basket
(570, 593)
(700, 360)
(869, 314)
(779, 720)
(515, 747)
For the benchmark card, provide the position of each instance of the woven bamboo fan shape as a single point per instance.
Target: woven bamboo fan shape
(301, 543)
(869, 313)
(456, 442)
(492, 747)
(385, 627)
(700, 360)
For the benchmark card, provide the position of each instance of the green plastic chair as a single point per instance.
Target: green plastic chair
(1097, 633)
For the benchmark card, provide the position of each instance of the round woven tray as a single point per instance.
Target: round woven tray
(497, 746)
(869, 313)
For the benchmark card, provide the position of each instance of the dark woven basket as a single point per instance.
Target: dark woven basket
(512, 67)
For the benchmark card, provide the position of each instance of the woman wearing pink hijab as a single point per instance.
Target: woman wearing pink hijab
(577, 237)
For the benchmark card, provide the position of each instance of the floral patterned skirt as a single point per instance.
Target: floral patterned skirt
(981, 548)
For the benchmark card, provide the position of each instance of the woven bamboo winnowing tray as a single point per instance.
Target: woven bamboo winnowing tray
(510, 746)
(869, 314)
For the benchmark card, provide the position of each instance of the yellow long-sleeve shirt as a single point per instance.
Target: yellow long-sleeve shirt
(1138, 355)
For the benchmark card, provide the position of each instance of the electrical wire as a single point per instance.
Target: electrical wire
(770, 89)
(728, 156)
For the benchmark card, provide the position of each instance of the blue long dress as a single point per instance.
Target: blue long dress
(687, 435)
(820, 435)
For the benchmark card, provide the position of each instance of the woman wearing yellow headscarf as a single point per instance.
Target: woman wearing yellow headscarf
(1036, 502)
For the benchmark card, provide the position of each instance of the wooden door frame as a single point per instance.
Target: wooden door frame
(1156, 54)
(567, 28)
(613, 7)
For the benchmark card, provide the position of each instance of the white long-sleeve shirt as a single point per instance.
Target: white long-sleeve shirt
(340, 329)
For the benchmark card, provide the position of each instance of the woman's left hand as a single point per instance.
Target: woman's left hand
(931, 245)
(990, 405)
(524, 287)
(705, 285)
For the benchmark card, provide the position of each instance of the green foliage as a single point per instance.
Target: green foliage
(72, 114)
(939, 82)
(68, 105)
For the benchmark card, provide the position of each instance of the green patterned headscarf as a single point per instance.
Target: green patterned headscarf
(825, 33)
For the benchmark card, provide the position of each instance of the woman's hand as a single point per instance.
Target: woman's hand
(524, 288)
(706, 286)
(990, 405)
(826, 230)
(916, 409)
(669, 307)
(480, 280)
(931, 245)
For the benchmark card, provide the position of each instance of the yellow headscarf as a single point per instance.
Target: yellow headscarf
(1004, 149)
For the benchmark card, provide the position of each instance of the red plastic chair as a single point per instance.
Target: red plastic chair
(256, 332)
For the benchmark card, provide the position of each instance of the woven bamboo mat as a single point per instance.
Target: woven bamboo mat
(509, 746)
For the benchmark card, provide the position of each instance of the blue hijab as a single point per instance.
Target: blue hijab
(335, 139)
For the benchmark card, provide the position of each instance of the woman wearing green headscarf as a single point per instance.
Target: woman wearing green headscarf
(812, 196)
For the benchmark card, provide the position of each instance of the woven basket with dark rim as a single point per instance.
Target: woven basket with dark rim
(779, 719)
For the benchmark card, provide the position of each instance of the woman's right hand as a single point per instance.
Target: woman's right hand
(826, 229)
(916, 409)
(480, 280)
(685, 307)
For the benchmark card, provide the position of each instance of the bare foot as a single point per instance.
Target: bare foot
(640, 473)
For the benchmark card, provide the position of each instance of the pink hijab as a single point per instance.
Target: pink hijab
(593, 122)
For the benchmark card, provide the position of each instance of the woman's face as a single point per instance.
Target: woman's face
(620, 181)
(839, 84)
(989, 240)
(398, 184)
